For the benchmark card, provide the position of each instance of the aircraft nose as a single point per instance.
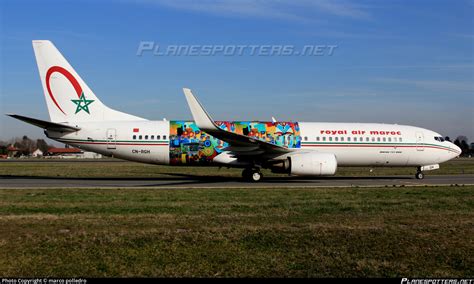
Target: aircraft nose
(456, 148)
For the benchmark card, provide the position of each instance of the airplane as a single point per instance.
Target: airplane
(78, 118)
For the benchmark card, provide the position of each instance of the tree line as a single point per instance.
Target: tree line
(25, 145)
(462, 142)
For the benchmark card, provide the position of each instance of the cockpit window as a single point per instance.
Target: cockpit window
(439, 138)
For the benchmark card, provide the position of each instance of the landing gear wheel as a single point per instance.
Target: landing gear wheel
(252, 175)
(256, 176)
(420, 175)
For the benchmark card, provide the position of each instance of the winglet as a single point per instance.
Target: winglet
(200, 115)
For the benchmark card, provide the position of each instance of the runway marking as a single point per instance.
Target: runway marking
(244, 187)
(203, 182)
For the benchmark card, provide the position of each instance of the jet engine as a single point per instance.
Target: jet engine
(307, 164)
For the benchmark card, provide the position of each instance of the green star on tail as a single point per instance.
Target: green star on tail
(82, 104)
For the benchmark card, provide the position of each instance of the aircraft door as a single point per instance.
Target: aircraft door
(419, 141)
(111, 138)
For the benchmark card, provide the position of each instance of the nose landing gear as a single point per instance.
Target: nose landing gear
(419, 174)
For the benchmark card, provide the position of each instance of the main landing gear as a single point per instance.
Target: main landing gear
(419, 174)
(253, 175)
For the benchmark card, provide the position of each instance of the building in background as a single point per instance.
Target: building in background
(71, 153)
(12, 151)
(37, 153)
(54, 152)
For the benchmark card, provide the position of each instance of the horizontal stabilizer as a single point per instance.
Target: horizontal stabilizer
(46, 124)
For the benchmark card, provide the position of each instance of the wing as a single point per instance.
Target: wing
(46, 124)
(240, 145)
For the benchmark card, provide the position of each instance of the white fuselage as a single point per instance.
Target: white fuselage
(373, 144)
(353, 144)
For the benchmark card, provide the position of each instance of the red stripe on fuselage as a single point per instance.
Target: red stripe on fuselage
(116, 143)
(378, 146)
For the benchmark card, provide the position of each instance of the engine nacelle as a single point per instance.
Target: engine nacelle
(313, 164)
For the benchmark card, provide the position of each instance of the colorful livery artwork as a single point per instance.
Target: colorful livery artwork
(190, 146)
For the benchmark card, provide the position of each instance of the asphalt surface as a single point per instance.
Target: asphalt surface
(191, 181)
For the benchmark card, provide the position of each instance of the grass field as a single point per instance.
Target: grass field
(130, 169)
(401, 232)
(288, 232)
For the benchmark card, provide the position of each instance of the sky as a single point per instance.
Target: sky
(404, 62)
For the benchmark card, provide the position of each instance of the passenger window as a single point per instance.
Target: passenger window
(384, 139)
(361, 139)
(389, 139)
(157, 137)
(373, 139)
(342, 138)
(336, 138)
(378, 139)
(164, 137)
(324, 138)
(349, 139)
(140, 137)
(152, 137)
(400, 139)
(306, 138)
(330, 138)
(146, 137)
(367, 139)
(317, 138)
(134, 137)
